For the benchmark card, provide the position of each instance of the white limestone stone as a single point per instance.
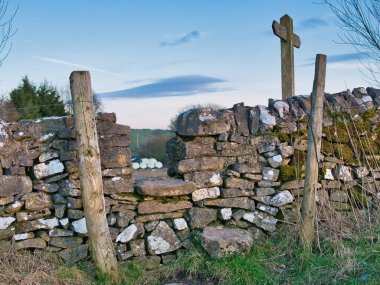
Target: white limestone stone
(266, 117)
(225, 214)
(281, 106)
(50, 223)
(205, 193)
(43, 170)
(180, 224)
(282, 198)
(127, 234)
(23, 236)
(6, 222)
(79, 226)
(329, 175)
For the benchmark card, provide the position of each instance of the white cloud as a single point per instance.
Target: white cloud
(59, 61)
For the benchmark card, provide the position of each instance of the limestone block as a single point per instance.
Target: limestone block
(205, 193)
(204, 122)
(219, 241)
(239, 202)
(164, 187)
(14, 185)
(163, 240)
(282, 198)
(43, 170)
(150, 207)
(200, 217)
(37, 201)
(200, 164)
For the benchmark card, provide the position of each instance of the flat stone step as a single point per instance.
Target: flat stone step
(165, 187)
(220, 241)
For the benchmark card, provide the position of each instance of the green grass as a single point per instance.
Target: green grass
(273, 260)
(278, 260)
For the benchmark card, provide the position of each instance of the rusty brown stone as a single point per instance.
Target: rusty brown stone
(14, 185)
(115, 157)
(239, 202)
(107, 128)
(165, 187)
(150, 207)
(38, 201)
(200, 164)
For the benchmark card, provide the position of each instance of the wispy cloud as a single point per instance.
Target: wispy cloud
(312, 23)
(347, 57)
(304, 25)
(184, 39)
(170, 87)
(59, 61)
(341, 58)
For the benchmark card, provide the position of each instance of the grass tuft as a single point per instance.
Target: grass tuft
(277, 260)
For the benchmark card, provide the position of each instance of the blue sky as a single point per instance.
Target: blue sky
(150, 58)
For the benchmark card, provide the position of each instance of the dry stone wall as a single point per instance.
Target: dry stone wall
(40, 196)
(235, 168)
(248, 163)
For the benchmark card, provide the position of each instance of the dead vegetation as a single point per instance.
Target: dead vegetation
(36, 268)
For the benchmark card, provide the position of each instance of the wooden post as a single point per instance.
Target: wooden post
(101, 246)
(289, 40)
(313, 153)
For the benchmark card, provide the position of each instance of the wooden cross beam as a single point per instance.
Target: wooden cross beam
(284, 30)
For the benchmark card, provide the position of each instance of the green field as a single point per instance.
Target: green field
(150, 143)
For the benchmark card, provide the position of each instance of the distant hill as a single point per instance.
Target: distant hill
(150, 143)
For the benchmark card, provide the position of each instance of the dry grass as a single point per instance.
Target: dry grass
(26, 268)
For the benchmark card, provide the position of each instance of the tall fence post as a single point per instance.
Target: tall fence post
(102, 250)
(308, 209)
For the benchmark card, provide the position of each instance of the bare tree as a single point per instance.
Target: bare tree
(98, 103)
(360, 22)
(6, 29)
(173, 120)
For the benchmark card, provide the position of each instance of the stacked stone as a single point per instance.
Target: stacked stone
(118, 182)
(235, 171)
(40, 187)
(40, 194)
(248, 162)
(240, 167)
(157, 229)
(350, 146)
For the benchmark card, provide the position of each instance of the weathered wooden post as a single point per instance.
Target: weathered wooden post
(289, 40)
(101, 246)
(313, 153)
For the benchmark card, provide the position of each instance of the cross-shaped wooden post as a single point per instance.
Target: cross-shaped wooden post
(284, 30)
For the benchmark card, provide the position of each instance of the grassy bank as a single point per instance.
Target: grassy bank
(279, 260)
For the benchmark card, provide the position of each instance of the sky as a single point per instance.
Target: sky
(150, 58)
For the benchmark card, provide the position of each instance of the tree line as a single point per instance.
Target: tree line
(29, 101)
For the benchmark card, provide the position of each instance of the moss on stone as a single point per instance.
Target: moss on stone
(290, 172)
(282, 136)
(362, 126)
(277, 128)
(369, 114)
(338, 115)
(276, 132)
(369, 146)
(337, 133)
(327, 148)
(345, 152)
(358, 198)
(299, 157)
